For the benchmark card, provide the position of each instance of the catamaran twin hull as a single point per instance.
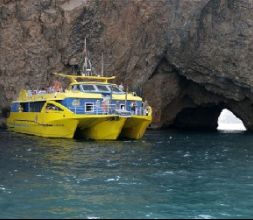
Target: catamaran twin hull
(66, 125)
(90, 107)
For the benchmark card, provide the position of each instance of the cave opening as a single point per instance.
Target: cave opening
(202, 118)
(227, 121)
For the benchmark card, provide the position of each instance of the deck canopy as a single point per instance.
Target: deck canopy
(75, 78)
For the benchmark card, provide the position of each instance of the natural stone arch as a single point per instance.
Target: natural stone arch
(179, 102)
(186, 56)
(199, 118)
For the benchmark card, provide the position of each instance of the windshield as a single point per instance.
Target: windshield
(89, 88)
(103, 88)
(98, 88)
(116, 89)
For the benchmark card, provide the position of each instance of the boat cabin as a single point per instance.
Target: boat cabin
(97, 96)
(96, 88)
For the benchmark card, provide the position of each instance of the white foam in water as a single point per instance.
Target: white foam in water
(92, 217)
(2, 188)
(187, 155)
(169, 172)
(113, 180)
(110, 180)
(205, 217)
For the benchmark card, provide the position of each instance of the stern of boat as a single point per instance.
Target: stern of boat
(136, 126)
(101, 128)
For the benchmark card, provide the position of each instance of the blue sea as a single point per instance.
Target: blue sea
(168, 174)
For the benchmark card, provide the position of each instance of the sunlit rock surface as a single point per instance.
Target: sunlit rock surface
(189, 59)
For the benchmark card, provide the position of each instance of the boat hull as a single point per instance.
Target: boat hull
(55, 125)
(37, 124)
(64, 124)
(108, 128)
(135, 127)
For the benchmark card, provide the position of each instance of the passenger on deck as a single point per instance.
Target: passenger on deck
(52, 107)
(133, 107)
(57, 86)
(50, 89)
(20, 108)
(117, 105)
(42, 91)
(145, 108)
(105, 104)
(121, 87)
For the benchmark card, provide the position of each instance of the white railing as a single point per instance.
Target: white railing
(108, 109)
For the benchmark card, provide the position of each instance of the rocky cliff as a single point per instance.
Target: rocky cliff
(188, 58)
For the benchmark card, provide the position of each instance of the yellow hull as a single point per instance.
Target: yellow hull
(105, 129)
(65, 124)
(37, 124)
(60, 125)
(135, 127)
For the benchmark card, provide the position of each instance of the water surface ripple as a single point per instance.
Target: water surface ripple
(165, 175)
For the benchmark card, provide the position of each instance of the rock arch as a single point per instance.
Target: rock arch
(188, 58)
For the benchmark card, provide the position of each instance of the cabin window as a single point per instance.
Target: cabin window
(103, 88)
(53, 107)
(89, 88)
(34, 106)
(76, 88)
(15, 107)
(89, 107)
(116, 89)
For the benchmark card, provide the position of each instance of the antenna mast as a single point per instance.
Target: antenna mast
(102, 70)
(87, 67)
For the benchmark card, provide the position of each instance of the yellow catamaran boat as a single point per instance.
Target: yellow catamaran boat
(91, 107)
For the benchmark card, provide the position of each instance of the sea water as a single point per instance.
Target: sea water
(168, 174)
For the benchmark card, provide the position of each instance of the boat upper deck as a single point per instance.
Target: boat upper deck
(43, 95)
(81, 87)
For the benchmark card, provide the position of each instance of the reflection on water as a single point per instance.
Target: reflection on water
(165, 175)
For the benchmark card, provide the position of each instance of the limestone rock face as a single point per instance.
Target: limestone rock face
(189, 59)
